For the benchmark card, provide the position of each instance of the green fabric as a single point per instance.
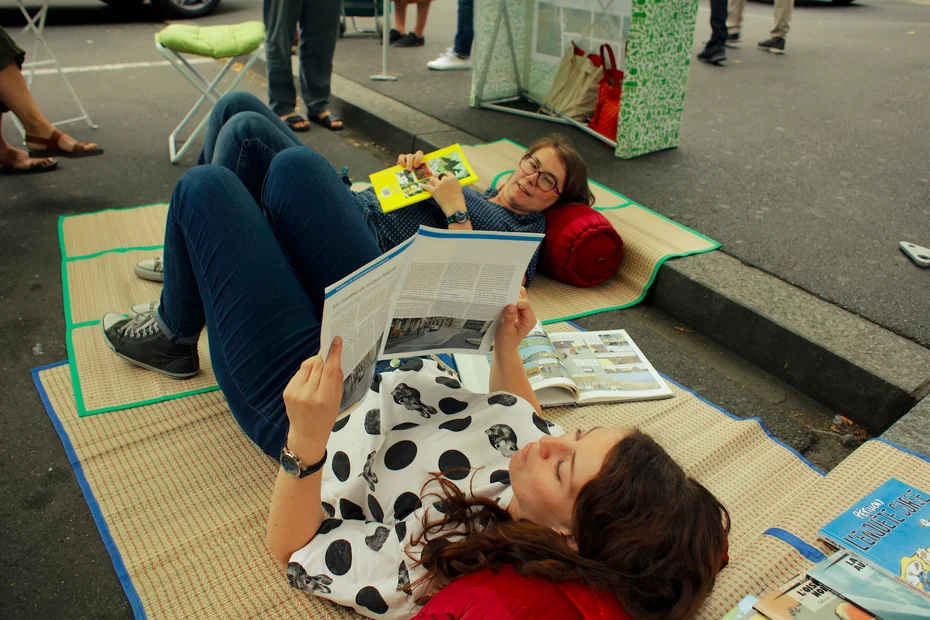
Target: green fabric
(213, 41)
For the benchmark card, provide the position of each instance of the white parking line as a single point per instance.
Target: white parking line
(119, 66)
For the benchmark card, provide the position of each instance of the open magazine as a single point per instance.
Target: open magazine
(576, 368)
(398, 187)
(440, 291)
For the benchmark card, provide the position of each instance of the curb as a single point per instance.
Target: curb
(852, 365)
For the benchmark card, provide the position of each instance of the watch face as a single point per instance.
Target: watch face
(289, 465)
(460, 217)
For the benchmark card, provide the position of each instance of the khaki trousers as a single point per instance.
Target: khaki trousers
(782, 16)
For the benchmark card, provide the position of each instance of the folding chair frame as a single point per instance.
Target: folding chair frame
(36, 24)
(207, 91)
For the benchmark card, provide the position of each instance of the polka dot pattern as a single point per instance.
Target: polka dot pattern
(405, 504)
(369, 598)
(457, 425)
(454, 465)
(449, 382)
(350, 510)
(452, 406)
(400, 455)
(374, 508)
(339, 557)
(341, 466)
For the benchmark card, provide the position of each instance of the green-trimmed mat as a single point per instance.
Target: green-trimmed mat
(175, 523)
(99, 249)
(98, 252)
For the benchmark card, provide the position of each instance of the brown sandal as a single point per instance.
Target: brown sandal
(8, 165)
(53, 145)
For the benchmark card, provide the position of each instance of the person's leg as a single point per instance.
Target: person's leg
(319, 29)
(782, 17)
(400, 16)
(226, 108)
(247, 144)
(316, 219)
(465, 29)
(735, 16)
(718, 23)
(15, 95)
(280, 22)
(422, 16)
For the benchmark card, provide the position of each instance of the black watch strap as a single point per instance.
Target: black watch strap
(309, 471)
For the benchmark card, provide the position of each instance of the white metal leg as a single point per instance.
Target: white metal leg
(208, 92)
(36, 25)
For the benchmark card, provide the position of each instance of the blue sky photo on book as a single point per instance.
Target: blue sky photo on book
(889, 529)
(870, 589)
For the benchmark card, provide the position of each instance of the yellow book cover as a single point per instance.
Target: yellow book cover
(397, 187)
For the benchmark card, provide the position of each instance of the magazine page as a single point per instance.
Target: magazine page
(398, 187)
(546, 373)
(357, 308)
(451, 298)
(608, 366)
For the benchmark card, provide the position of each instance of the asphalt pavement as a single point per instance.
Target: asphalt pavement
(53, 560)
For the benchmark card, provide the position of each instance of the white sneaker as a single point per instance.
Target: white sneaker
(151, 269)
(138, 309)
(450, 61)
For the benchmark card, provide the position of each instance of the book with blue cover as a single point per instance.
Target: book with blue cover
(888, 529)
(869, 588)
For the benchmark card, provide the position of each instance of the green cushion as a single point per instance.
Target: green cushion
(213, 41)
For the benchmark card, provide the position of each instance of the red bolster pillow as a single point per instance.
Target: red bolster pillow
(581, 246)
(507, 595)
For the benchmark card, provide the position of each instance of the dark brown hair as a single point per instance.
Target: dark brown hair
(575, 188)
(646, 533)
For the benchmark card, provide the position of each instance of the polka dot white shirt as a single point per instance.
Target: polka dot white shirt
(414, 421)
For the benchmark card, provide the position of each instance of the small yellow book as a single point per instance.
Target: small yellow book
(398, 187)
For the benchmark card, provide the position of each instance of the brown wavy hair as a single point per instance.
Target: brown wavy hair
(645, 531)
(576, 173)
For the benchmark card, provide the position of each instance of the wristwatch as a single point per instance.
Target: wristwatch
(293, 467)
(459, 217)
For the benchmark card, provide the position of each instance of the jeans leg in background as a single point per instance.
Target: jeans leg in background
(247, 144)
(281, 18)
(227, 107)
(718, 22)
(316, 220)
(319, 29)
(225, 267)
(465, 29)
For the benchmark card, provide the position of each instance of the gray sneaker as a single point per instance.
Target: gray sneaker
(139, 340)
(151, 269)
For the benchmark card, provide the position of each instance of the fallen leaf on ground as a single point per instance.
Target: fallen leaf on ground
(684, 329)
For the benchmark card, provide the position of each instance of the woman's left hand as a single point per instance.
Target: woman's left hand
(447, 192)
(516, 323)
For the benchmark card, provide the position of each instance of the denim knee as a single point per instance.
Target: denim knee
(234, 103)
(245, 125)
(197, 182)
(300, 161)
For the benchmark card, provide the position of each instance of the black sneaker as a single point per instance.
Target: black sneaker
(733, 40)
(410, 40)
(713, 53)
(776, 45)
(140, 340)
(393, 36)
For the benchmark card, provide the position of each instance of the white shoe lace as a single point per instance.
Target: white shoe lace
(141, 326)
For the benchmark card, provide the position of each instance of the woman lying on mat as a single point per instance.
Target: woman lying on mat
(356, 513)
(244, 135)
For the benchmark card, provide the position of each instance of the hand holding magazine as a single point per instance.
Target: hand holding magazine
(398, 187)
(440, 291)
(576, 368)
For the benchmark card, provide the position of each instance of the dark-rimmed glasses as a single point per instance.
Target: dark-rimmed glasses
(546, 181)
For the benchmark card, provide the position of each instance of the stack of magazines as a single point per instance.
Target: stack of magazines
(881, 569)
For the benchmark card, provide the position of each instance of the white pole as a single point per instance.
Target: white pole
(385, 41)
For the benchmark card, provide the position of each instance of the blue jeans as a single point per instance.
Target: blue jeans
(254, 274)
(464, 29)
(244, 135)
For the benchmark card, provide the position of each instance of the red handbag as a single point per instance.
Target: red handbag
(604, 119)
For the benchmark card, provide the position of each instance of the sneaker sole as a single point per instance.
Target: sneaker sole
(449, 68)
(151, 276)
(733, 45)
(165, 373)
(772, 50)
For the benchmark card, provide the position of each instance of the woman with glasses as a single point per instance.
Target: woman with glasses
(245, 136)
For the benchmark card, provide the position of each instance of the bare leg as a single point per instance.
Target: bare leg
(16, 157)
(422, 14)
(14, 92)
(400, 16)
